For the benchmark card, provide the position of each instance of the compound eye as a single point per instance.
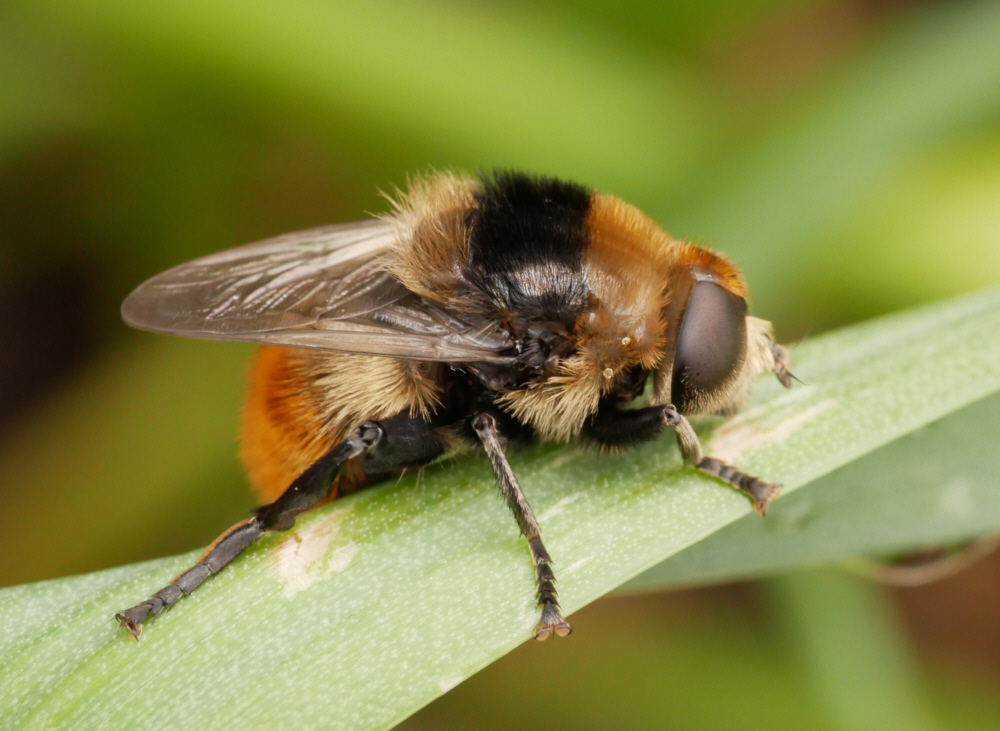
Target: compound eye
(710, 348)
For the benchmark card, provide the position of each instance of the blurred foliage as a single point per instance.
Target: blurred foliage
(846, 154)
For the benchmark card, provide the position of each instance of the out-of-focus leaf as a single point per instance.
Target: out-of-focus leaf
(853, 651)
(930, 80)
(496, 85)
(151, 438)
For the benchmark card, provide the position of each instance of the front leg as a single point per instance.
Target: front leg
(485, 425)
(762, 493)
(616, 428)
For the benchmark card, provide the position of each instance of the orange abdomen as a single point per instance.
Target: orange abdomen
(301, 403)
(282, 431)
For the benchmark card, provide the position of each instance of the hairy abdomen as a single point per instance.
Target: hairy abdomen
(301, 403)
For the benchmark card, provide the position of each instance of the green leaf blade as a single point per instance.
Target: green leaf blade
(374, 606)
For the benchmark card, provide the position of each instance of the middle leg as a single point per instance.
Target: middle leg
(485, 425)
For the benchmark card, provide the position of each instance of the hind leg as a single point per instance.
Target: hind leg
(388, 446)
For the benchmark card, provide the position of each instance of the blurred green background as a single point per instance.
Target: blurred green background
(846, 154)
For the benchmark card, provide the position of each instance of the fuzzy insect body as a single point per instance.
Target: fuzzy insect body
(489, 312)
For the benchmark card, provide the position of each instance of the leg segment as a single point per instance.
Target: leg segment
(304, 493)
(227, 547)
(613, 427)
(552, 620)
(313, 484)
(409, 440)
(762, 493)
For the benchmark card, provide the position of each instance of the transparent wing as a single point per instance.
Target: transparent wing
(323, 288)
(288, 281)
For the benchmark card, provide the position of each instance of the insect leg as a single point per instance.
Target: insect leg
(762, 493)
(552, 620)
(307, 490)
(618, 428)
(225, 548)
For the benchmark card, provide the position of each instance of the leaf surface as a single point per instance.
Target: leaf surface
(377, 604)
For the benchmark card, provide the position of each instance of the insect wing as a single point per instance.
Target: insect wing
(323, 288)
